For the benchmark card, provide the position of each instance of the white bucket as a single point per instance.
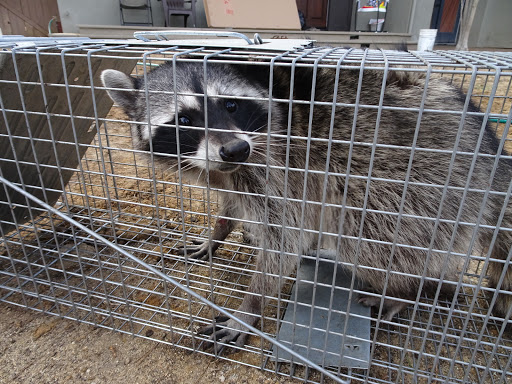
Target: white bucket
(376, 25)
(427, 39)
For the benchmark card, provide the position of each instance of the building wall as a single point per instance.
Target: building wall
(406, 16)
(398, 16)
(421, 18)
(106, 12)
(492, 27)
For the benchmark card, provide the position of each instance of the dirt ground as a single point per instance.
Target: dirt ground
(36, 348)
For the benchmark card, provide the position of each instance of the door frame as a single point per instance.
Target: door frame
(437, 14)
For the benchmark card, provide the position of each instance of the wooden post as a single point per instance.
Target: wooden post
(468, 11)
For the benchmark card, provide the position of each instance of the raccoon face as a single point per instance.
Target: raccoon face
(176, 128)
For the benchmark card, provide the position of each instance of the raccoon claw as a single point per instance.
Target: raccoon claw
(223, 333)
(390, 307)
(199, 251)
(249, 238)
(208, 330)
(369, 301)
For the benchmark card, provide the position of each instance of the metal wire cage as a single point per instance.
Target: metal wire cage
(90, 226)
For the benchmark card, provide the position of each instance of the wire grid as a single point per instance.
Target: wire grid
(57, 268)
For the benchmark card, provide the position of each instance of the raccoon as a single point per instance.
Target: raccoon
(320, 162)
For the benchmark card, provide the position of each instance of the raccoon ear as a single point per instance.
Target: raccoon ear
(126, 95)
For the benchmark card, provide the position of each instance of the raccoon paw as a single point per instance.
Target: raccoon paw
(248, 237)
(197, 251)
(390, 307)
(224, 330)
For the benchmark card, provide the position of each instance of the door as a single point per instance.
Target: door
(315, 12)
(27, 17)
(445, 18)
(339, 15)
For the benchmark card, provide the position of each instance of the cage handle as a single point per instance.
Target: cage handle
(163, 35)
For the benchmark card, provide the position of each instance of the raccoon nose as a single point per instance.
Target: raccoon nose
(235, 150)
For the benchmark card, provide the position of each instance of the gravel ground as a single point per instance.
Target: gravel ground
(37, 348)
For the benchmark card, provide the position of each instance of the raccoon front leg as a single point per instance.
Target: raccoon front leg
(200, 250)
(264, 283)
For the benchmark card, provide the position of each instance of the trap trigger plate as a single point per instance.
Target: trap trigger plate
(318, 336)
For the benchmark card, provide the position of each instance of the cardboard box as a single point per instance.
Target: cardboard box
(261, 14)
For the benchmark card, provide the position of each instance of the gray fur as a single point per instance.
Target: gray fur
(419, 206)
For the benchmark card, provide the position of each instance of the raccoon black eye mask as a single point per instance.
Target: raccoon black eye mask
(174, 129)
(405, 240)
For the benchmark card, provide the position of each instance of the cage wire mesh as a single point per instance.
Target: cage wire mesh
(104, 250)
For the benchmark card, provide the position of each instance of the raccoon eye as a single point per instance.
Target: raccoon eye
(231, 106)
(184, 120)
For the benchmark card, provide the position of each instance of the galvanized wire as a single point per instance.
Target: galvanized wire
(104, 253)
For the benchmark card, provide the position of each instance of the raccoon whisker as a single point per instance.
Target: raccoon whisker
(261, 144)
(276, 135)
(260, 153)
(264, 154)
(277, 144)
(260, 127)
(175, 168)
(281, 138)
(187, 164)
(265, 138)
(250, 123)
(193, 139)
(272, 162)
(199, 176)
(170, 169)
(188, 167)
(182, 168)
(262, 148)
(285, 140)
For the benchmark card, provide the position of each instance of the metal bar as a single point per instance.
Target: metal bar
(164, 34)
